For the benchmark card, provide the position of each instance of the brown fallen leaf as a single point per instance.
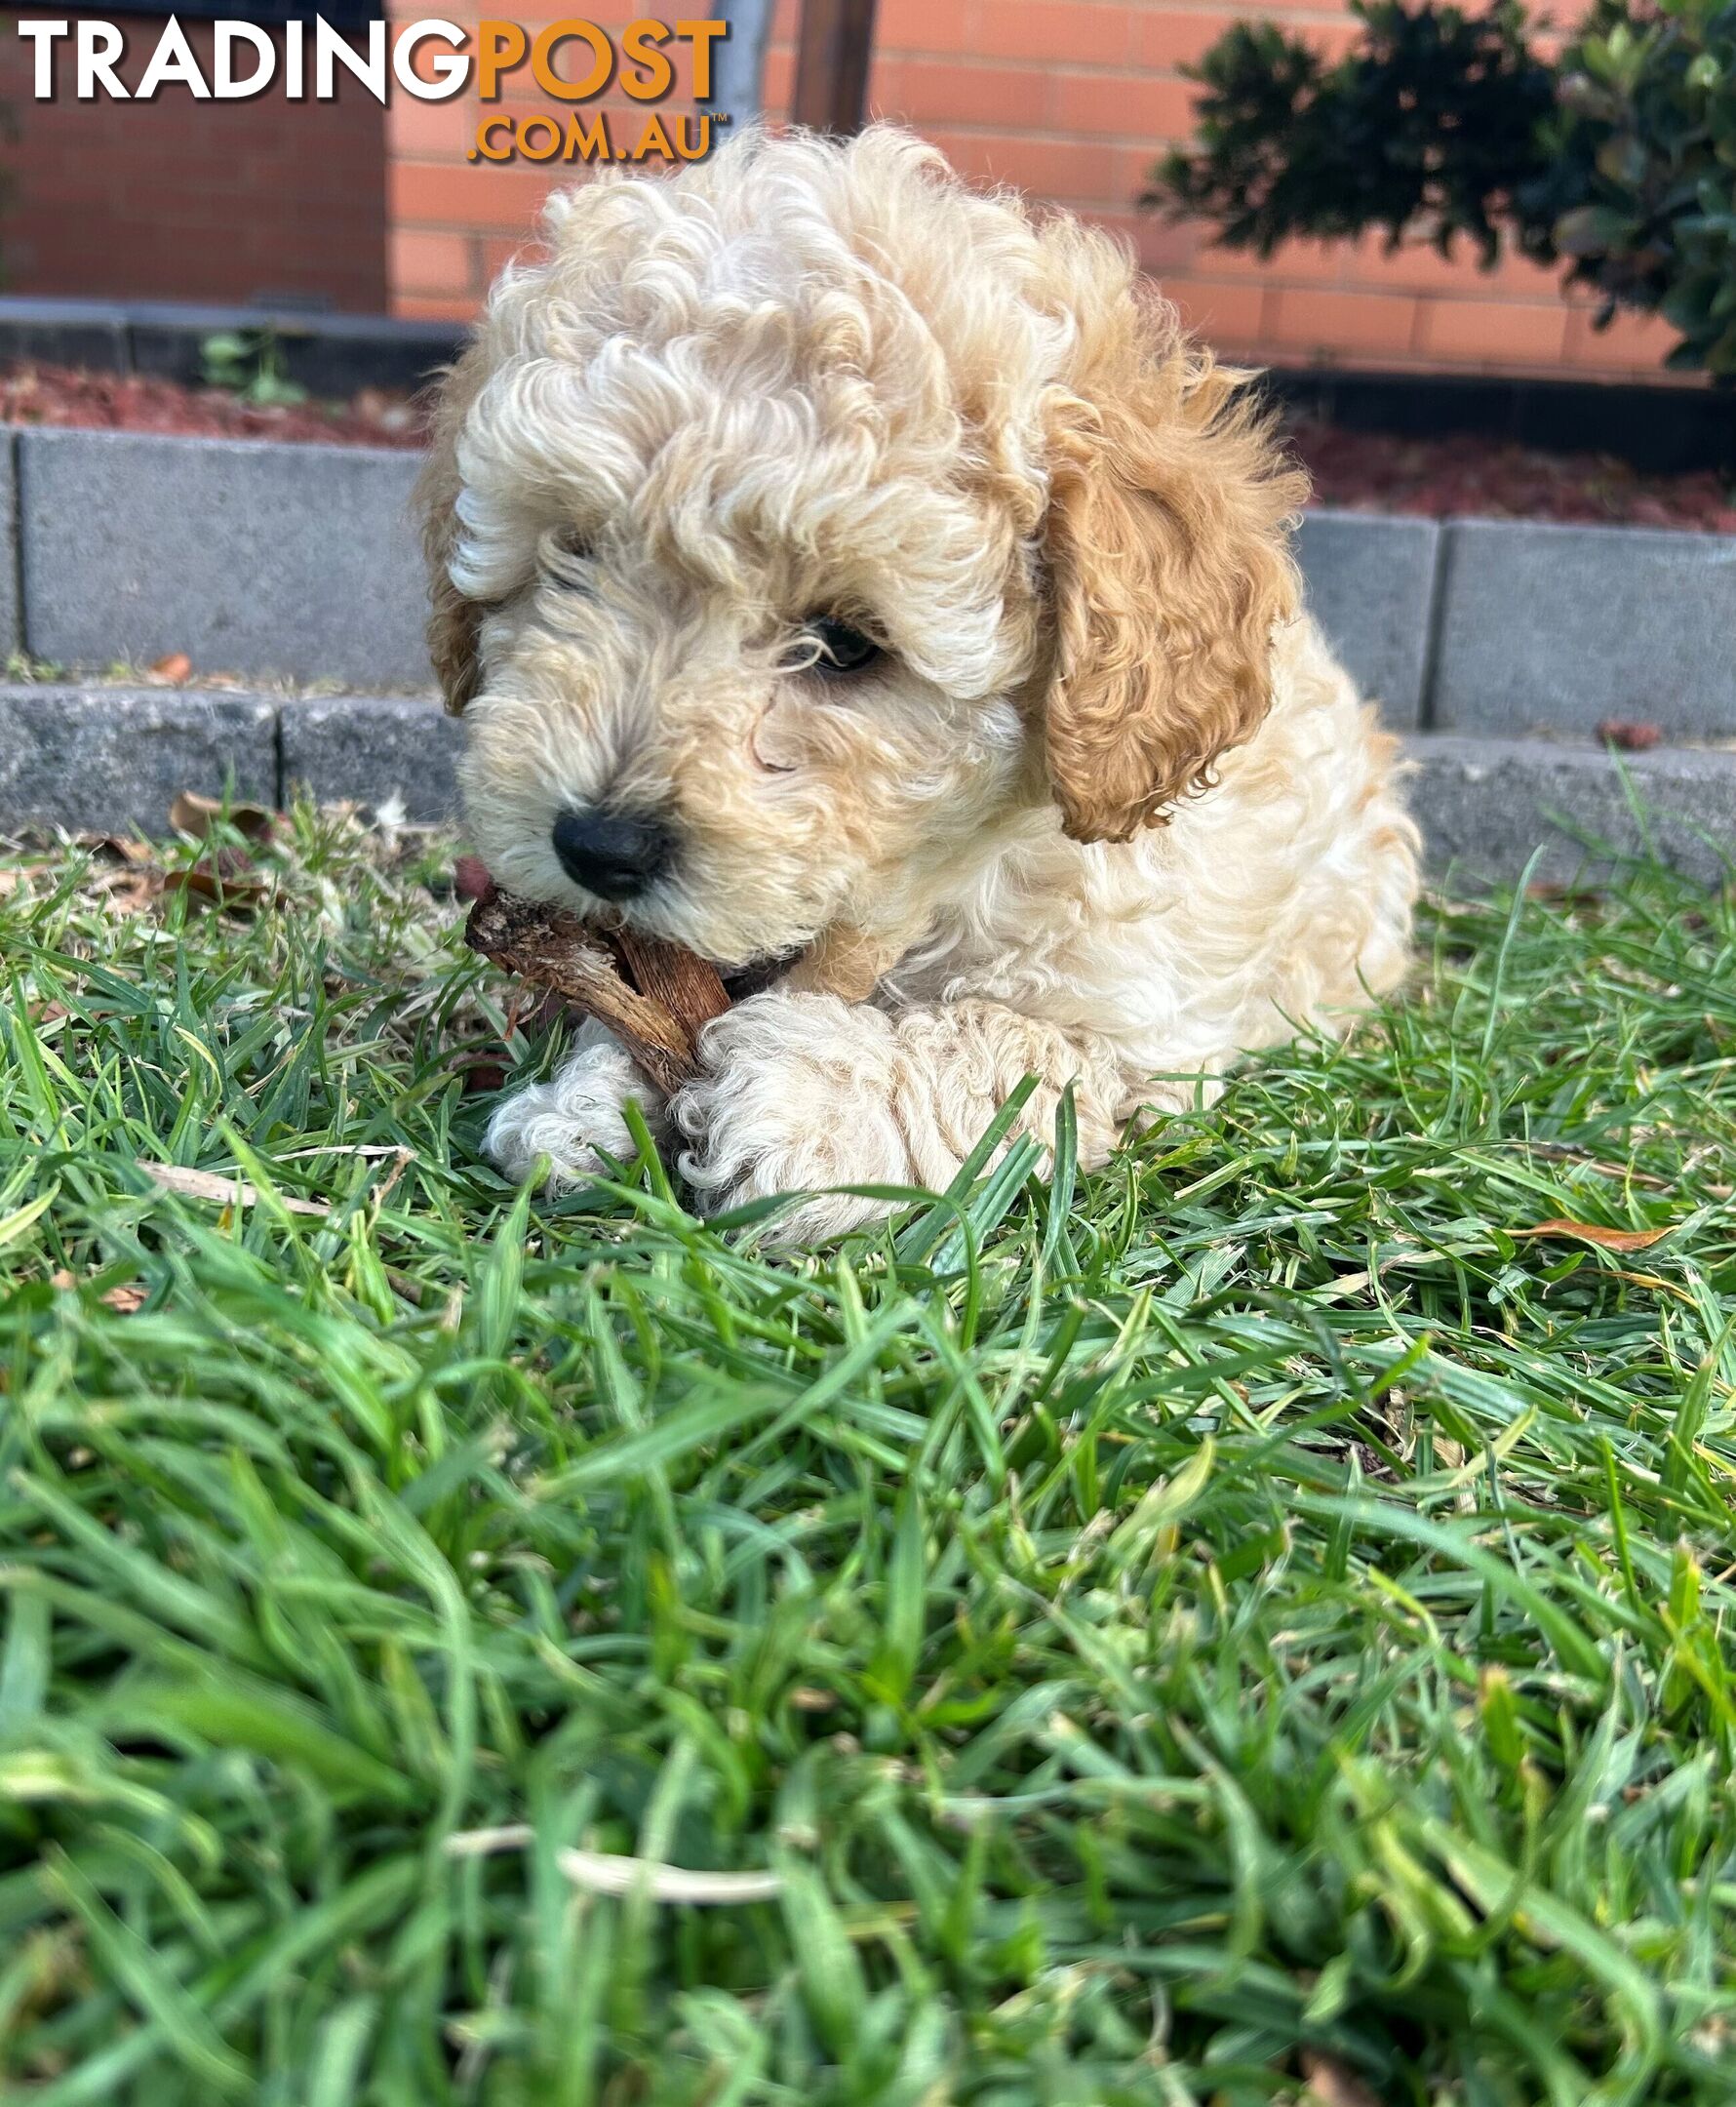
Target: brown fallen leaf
(482, 1071)
(170, 670)
(1332, 2083)
(224, 880)
(1631, 737)
(127, 1298)
(192, 813)
(1595, 1233)
(470, 878)
(223, 1186)
(14, 874)
(123, 845)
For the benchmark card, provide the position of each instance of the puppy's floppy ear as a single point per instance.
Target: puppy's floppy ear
(1167, 555)
(454, 620)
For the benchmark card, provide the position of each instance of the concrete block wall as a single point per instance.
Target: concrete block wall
(1499, 647)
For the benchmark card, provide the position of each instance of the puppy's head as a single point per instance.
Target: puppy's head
(803, 524)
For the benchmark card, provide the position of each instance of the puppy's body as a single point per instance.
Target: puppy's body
(1101, 806)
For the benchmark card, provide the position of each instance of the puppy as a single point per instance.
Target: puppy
(834, 564)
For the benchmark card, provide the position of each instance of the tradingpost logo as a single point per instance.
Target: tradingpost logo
(572, 63)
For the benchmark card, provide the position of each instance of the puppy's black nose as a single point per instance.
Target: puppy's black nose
(613, 854)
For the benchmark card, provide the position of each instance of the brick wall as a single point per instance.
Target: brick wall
(1070, 100)
(173, 199)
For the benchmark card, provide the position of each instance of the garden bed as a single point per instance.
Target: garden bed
(1467, 476)
(1457, 476)
(75, 398)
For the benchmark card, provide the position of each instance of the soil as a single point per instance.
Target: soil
(1497, 479)
(130, 402)
(1363, 471)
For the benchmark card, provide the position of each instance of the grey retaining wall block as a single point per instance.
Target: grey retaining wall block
(1563, 626)
(113, 758)
(1370, 584)
(1484, 805)
(374, 750)
(250, 557)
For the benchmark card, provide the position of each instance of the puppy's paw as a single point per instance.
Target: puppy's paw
(573, 1119)
(794, 1092)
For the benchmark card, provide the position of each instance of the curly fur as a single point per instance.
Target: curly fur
(1106, 809)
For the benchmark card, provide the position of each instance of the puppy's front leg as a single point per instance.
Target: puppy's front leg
(801, 1090)
(574, 1117)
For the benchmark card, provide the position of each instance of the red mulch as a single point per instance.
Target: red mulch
(1497, 479)
(125, 402)
(1367, 472)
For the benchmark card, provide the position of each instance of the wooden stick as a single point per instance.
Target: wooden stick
(658, 1024)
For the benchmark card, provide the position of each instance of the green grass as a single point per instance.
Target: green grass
(1245, 1613)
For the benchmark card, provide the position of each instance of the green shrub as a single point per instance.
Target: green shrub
(1619, 159)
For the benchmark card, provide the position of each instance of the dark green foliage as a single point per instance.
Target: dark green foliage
(1435, 118)
(1638, 182)
(1620, 162)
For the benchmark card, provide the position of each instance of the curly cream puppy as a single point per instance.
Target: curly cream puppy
(831, 560)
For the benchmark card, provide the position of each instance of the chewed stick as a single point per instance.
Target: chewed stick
(652, 996)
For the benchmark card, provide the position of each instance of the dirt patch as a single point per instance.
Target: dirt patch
(1363, 471)
(1497, 479)
(61, 395)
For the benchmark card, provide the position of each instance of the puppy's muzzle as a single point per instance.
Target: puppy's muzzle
(613, 854)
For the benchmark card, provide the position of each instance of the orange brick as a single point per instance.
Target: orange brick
(1419, 268)
(1296, 262)
(499, 198)
(1632, 343)
(425, 263)
(1077, 170)
(1171, 37)
(1223, 314)
(1071, 30)
(1115, 105)
(1159, 245)
(432, 131)
(1498, 333)
(500, 249)
(1324, 323)
(930, 91)
(906, 26)
(433, 307)
(778, 82)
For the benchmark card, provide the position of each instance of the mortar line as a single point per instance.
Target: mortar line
(1434, 620)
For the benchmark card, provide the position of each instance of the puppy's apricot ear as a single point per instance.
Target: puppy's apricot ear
(1166, 549)
(453, 621)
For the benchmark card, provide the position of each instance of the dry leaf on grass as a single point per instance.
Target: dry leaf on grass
(198, 816)
(1332, 2083)
(126, 1298)
(470, 878)
(224, 880)
(221, 1186)
(123, 845)
(14, 875)
(1595, 1233)
(1631, 737)
(170, 670)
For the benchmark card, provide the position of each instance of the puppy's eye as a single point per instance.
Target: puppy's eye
(837, 648)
